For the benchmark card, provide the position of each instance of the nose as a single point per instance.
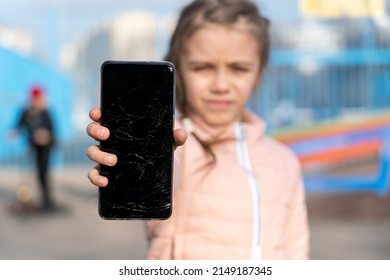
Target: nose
(220, 82)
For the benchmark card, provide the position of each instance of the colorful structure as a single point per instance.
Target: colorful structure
(343, 142)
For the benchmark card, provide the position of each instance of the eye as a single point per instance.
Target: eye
(200, 68)
(238, 68)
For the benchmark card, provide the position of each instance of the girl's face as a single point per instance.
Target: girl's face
(220, 69)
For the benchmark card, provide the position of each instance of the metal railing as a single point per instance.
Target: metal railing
(302, 88)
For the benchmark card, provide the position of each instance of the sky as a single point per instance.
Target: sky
(55, 23)
(30, 13)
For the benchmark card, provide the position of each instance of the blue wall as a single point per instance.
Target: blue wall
(17, 75)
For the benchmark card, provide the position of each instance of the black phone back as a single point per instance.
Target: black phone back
(137, 102)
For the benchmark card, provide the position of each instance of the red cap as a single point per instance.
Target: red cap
(36, 92)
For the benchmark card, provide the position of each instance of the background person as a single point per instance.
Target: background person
(36, 120)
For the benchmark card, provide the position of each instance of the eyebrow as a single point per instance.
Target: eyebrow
(241, 63)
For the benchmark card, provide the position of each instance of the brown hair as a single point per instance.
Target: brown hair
(224, 12)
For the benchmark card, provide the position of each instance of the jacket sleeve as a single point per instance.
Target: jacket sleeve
(21, 121)
(160, 242)
(298, 228)
(160, 234)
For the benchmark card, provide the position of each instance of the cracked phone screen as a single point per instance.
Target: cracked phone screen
(137, 102)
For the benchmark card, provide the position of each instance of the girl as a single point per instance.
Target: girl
(238, 194)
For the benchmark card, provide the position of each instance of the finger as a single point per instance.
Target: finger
(180, 135)
(96, 179)
(97, 131)
(95, 114)
(95, 154)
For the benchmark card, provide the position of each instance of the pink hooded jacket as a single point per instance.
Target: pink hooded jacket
(249, 205)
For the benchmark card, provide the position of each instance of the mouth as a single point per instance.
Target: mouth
(219, 104)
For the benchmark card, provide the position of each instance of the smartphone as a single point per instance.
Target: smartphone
(137, 103)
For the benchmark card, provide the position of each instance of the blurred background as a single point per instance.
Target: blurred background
(326, 94)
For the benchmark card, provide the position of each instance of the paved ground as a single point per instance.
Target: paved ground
(343, 226)
(349, 226)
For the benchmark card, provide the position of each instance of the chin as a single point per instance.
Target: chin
(220, 121)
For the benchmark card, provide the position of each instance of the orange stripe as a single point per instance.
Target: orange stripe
(338, 155)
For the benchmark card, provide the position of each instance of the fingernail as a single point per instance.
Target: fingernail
(102, 182)
(109, 160)
(101, 132)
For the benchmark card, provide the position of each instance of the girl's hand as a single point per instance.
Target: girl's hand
(99, 132)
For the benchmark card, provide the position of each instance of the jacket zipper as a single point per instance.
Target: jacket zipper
(243, 156)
